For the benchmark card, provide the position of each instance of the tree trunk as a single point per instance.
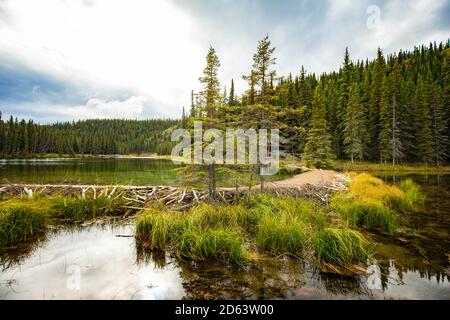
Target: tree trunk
(212, 182)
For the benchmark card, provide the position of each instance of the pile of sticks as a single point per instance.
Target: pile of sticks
(138, 197)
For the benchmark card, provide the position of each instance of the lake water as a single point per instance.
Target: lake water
(101, 261)
(110, 171)
(132, 171)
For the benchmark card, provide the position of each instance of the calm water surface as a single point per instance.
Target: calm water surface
(101, 262)
(133, 171)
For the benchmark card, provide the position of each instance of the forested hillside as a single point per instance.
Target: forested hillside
(393, 108)
(20, 137)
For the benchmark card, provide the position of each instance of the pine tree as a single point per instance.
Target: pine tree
(192, 112)
(424, 135)
(231, 98)
(354, 125)
(439, 125)
(318, 143)
(385, 122)
(375, 103)
(344, 93)
(262, 73)
(211, 84)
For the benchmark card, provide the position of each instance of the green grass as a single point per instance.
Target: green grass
(388, 167)
(21, 218)
(413, 196)
(341, 246)
(157, 228)
(79, 209)
(19, 221)
(265, 224)
(280, 234)
(219, 244)
(363, 212)
(372, 204)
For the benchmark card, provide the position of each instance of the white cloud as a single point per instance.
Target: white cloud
(130, 108)
(155, 50)
(143, 46)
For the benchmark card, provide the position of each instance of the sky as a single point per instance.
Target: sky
(63, 60)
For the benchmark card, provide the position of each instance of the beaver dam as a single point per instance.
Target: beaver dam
(313, 184)
(319, 220)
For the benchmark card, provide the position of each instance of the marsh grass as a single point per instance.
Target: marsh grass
(219, 244)
(372, 204)
(341, 246)
(281, 234)
(77, 209)
(413, 196)
(364, 212)
(159, 228)
(21, 218)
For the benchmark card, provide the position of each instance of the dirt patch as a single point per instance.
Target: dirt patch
(314, 177)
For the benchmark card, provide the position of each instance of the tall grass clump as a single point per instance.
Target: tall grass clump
(412, 193)
(341, 246)
(369, 187)
(21, 219)
(159, 228)
(219, 244)
(364, 212)
(280, 234)
(81, 208)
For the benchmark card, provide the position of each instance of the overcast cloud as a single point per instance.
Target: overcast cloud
(77, 59)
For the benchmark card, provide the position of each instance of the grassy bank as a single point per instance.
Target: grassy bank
(22, 218)
(264, 224)
(347, 166)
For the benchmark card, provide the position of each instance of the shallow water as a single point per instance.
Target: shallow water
(87, 263)
(96, 262)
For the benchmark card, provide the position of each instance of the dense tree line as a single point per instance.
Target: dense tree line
(391, 109)
(109, 136)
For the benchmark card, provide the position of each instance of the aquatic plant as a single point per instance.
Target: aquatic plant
(364, 212)
(20, 220)
(158, 228)
(280, 234)
(218, 244)
(81, 208)
(412, 192)
(341, 246)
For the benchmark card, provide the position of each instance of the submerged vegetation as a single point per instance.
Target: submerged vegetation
(265, 224)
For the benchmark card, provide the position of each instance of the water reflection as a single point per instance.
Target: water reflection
(103, 265)
(412, 265)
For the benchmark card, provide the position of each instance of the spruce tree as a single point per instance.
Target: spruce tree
(231, 100)
(375, 103)
(262, 73)
(318, 143)
(344, 93)
(354, 125)
(439, 125)
(211, 84)
(424, 134)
